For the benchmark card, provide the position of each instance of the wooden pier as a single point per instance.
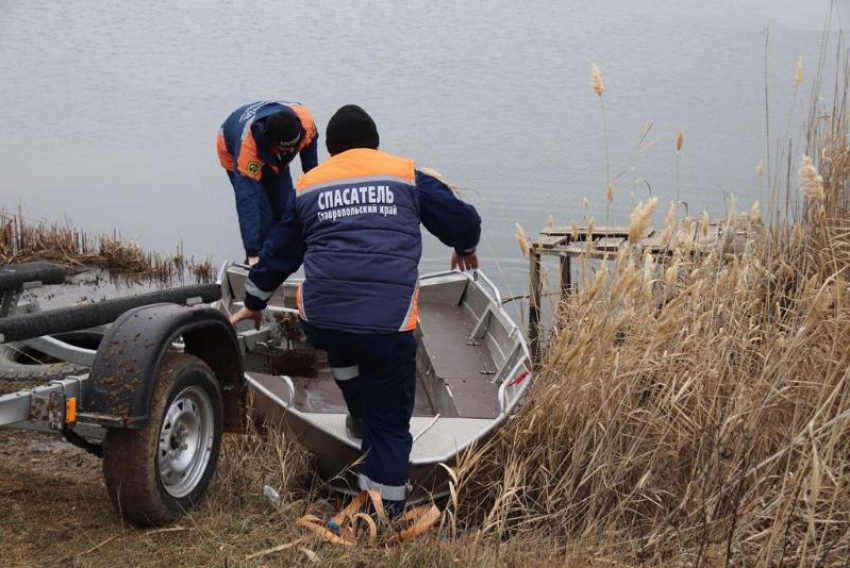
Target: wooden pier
(598, 243)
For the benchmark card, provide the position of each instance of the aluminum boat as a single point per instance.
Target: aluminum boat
(473, 368)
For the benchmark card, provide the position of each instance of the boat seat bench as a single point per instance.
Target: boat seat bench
(457, 371)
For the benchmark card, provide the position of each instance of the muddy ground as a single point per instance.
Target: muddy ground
(54, 511)
(53, 507)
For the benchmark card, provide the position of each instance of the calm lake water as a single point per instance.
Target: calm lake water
(109, 110)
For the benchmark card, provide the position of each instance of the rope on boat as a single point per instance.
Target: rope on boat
(426, 428)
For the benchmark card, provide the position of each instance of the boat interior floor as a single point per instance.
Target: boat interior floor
(454, 373)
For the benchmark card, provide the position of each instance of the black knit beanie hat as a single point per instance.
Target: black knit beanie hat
(350, 127)
(283, 129)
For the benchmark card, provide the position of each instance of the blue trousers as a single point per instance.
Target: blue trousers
(273, 201)
(377, 376)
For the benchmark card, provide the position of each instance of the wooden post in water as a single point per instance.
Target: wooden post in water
(566, 277)
(534, 302)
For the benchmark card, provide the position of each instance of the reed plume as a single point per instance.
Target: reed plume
(596, 80)
(680, 142)
(522, 240)
(669, 224)
(705, 223)
(639, 219)
(811, 182)
(755, 214)
(599, 89)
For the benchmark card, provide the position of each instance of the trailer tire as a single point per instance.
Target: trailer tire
(16, 375)
(155, 473)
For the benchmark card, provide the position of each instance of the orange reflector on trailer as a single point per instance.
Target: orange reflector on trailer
(71, 410)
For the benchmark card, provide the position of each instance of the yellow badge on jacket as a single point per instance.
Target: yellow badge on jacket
(254, 168)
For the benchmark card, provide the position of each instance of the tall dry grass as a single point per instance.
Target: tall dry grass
(695, 409)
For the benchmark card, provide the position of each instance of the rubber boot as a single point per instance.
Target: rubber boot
(394, 509)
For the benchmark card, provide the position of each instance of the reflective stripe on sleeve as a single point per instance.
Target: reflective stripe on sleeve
(345, 373)
(390, 492)
(246, 129)
(351, 182)
(252, 289)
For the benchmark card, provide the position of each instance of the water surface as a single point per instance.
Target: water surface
(109, 110)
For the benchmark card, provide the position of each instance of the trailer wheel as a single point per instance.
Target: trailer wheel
(155, 473)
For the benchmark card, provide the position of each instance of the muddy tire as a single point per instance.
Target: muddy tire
(21, 367)
(15, 375)
(155, 473)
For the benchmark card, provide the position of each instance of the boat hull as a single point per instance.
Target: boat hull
(473, 368)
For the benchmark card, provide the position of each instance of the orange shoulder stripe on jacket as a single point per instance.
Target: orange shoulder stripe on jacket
(224, 157)
(307, 124)
(249, 163)
(358, 163)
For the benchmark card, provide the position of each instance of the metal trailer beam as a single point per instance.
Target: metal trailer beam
(19, 409)
(14, 408)
(61, 350)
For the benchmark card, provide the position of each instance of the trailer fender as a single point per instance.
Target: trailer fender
(128, 359)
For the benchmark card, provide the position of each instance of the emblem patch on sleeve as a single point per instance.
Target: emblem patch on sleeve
(254, 168)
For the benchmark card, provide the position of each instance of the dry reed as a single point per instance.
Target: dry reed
(25, 240)
(640, 218)
(710, 427)
(697, 411)
(522, 240)
(811, 183)
(599, 89)
(680, 142)
(596, 80)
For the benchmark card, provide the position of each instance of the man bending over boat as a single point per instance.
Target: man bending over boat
(355, 227)
(255, 146)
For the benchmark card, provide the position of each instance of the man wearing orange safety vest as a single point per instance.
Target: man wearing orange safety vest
(355, 228)
(255, 146)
